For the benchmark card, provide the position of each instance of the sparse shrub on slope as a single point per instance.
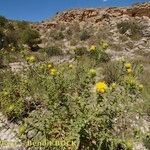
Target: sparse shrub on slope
(80, 51)
(53, 51)
(85, 35)
(30, 37)
(22, 25)
(3, 21)
(146, 141)
(133, 27)
(98, 53)
(116, 71)
(56, 34)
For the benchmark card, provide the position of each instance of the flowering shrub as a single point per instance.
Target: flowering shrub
(98, 52)
(66, 102)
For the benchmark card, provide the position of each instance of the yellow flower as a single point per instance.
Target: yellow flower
(92, 72)
(93, 48)
(31, 59)
(53, 72)
(101, 87)
(129, 70)
(128, 65)
(49, 66)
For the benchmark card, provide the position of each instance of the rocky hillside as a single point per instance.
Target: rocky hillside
(78, 77)
(127, 30)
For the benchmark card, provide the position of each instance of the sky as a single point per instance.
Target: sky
(38, 10)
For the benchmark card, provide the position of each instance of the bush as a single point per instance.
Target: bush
(146, 141)
(3, 21)
(80, 51)
(30, 37)
(116, 71)
(22, 25)
(58, 36)
(98, 53)
(53, 51)
(84, 35)
(74, 108)
(132, 26)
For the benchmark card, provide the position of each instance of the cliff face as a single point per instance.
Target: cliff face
(95, 16)
(99, 14)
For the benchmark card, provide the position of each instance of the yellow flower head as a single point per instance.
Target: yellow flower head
(92, 72)
(128, 65)
(129, 70)
(31, 59)
(101, 87)
(93, 48)
(53, 72)
(49, 66)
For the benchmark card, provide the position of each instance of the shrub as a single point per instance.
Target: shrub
(53, 51)
(80, 51)
(30, 37)
(58, 35)
(22, 25)
(146, 141)
(98, 53)
(134, 27)
(115, 71)
(84, 35)
(3, 21)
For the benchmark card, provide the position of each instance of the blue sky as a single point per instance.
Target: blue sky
(37, 10)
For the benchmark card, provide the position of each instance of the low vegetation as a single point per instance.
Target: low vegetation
(133, 27)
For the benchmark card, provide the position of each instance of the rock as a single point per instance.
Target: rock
(31, 134)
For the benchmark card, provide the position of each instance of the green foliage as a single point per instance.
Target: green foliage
(22, 25)
(99, 53)
(146, 141)
(30, 37)
(58, 103)
(68, 102)
(17, 34)
(80, 51)
(116, 71)
(53, 51)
